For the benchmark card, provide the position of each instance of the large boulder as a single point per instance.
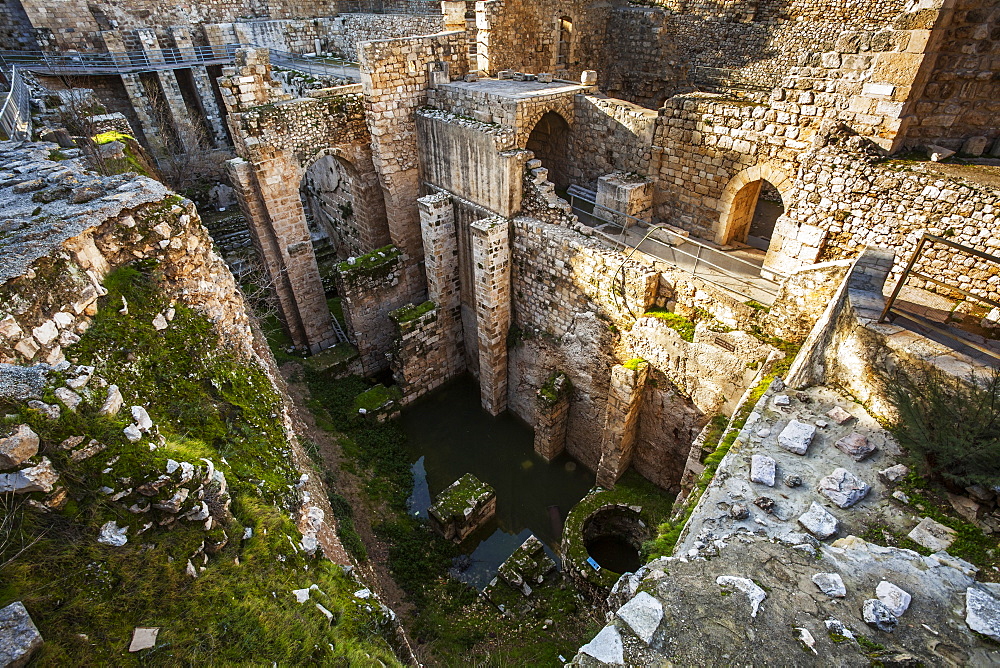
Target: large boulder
(19, 637)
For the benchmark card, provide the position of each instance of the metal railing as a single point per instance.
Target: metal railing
(15, 115)
(134, 62)
(929, 240)
(416, 7)
(735, 275)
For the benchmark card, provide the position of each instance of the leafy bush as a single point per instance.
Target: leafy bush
(951, 428)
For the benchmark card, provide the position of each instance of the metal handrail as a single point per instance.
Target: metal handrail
(15, 115)
(927, 239)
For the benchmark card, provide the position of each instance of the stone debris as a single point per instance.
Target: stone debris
(159, 322)
(806, 638)
(762, 470)
(932, 534)
(643, 614)
(113, 402)
(606, 646)
(51, 411)
(843, 488)
(837, 627)
(19, 637)
(39, 478)
(877, 614)
(938, 153)
(748, 587)
(819, 521)
(739, 511)
(86, 452)
(856, 446)
(982, 609)
(326, 613)
(301, 595)
(18, 447)
(782, 400)
(796, 437)
(839, 415)
(765, 503)
(143, 637)
(112, 534)
(830, 584)
(70, 398)
(792, 480)
(893, 597)
(132, 433)
(894, 474)
(142, 419)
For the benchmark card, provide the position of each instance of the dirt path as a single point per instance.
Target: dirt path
(375, 571)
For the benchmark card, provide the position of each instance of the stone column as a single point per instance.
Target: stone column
(147, 120)
(621, 421)
(553, 414)
(627, 194)
(437, 229)
(482, 62)
(173, 100)
(203, 85)
(491, 277)
(454, 15)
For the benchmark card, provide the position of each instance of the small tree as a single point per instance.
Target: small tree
(951, 427)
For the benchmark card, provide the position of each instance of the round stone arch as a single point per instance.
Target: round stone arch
(740, 197)
(548, 139)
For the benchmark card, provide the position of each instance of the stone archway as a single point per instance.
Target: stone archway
(739, 201)
(548, 140)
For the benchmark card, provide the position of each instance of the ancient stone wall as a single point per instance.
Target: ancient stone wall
(609, 135)
(349, 30)
(840, 204)
(16, 31)
(962, 96)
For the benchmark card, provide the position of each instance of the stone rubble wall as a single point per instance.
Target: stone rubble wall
(349, 30)
(607, 136)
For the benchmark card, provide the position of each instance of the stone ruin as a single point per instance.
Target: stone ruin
(464, 506)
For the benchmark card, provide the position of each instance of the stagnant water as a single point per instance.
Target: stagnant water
(449, 435)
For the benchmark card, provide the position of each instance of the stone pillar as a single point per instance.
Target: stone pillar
(482, 62)
(203, 84)
(173, 101)
(270, 200)
(621, 420)
(454, 15)
(437, 229)
(553, 414)
(629, 194)
(491, 277)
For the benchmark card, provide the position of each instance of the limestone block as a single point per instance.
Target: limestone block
(19, 637)
(762, 470)
(17, 447)
(932, 535)
(463, 507)
(39, 478)
(796, 437)
(830, 584)
(819, 521)
(893, 597)
(982, 609)
(843, 488)
(856, 445)
(878, 615)
(643, 614)
(975, 146)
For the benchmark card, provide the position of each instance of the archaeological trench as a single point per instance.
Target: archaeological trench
(500, 332)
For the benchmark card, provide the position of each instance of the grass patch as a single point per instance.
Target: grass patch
(683, 326)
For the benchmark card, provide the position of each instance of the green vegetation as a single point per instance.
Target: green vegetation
(754, 304)
(411, 312)
(634, 363)
(57, 155)
(951, 428)
(376, 397)
(207, 402)
(377, 263)
(684, 326)
(464, 492)
(134, 160)
(556, 386)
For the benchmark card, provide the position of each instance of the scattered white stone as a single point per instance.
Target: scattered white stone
(68, 397)
(894, 473)
(893, 597)
(843, 488)
(982, 609)
(18, 447)
(900, 496)
(143, 638)
(39, 478)
(822, 424)
(247, 533)
(837, 626)
(856, 446)
(301, 595)
(51, 411)
(875, 613)
(326, 613)
(764, 433)
(172, 466)
(112, 534)
(643, 613)
(363, 593)
(782, 400)
(19, 637)
(762, 470)
(190, 569)
(819, 521)
(806, 638)
(132, 433)
(159, 322)
(142, 419)
(938, 153)
(187, 472)
(113, 402)
(606, 646)
(839, 415)
(932, 535)
(124, 309)
(830, 584)
(748, 587)
(796, 437)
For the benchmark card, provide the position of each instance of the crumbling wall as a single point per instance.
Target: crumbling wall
(349, 30)
(609, 136)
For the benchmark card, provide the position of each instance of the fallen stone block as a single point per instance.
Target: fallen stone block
(819, 521)
(463, 507)
(932, 535)
(843, 488)
(112, 534)
(938, 153)
(875, 613)
(830, 584)
(762, 470)
(19, 637)
(606, 646)
(143, 638)
(748, 587)
(796, 437)
(18, 447)
(894, 474)
(856, 446)
(113, 403)
(39, 478)
(893, 597)
(839, 415)
(982, 609)
(643, 614)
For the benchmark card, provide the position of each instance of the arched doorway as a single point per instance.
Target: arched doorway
(548, 142)
(751, 205)
(331, 210)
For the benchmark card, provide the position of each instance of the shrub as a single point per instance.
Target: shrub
(951, 428)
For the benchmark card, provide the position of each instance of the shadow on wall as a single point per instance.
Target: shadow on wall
(548, 141)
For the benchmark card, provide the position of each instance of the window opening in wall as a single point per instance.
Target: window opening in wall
(565, 39)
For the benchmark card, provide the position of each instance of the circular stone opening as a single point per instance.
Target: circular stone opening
(613, 536)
